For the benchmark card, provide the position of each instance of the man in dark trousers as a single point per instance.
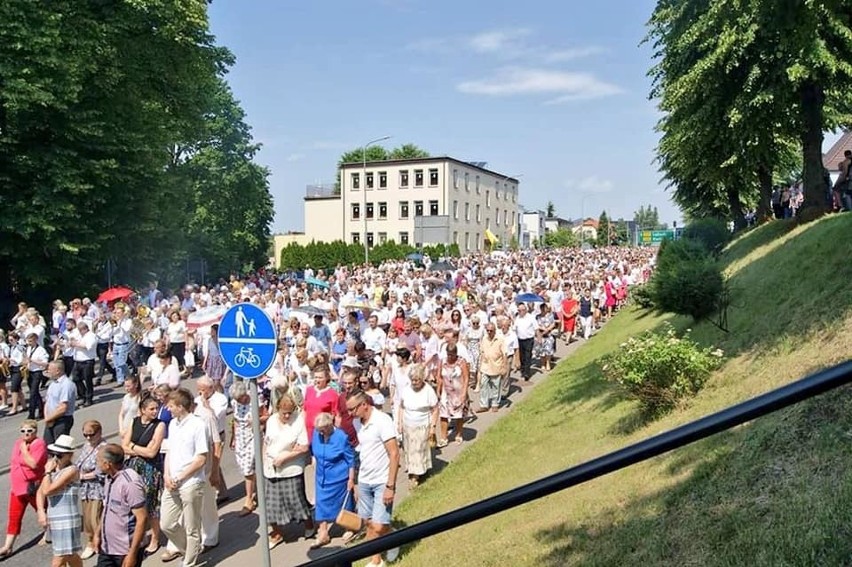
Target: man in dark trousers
(121, 529)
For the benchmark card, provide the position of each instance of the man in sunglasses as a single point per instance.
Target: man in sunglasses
(377, 472)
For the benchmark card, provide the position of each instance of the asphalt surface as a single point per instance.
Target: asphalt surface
(239, 541)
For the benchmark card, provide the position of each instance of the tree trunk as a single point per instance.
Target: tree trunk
(764, 202)
(736, 208)
(812, 101)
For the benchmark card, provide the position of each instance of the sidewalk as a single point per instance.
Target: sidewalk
(240, 544)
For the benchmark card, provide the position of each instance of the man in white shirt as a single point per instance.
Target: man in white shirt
(525, 327)
(121, 342)
(85, 345)
(217, 404)
(374, 338)
(379, 455)
(184, 478)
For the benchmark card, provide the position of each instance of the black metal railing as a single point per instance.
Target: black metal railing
(684, 435)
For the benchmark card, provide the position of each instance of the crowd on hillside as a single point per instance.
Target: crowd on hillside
(369, 359)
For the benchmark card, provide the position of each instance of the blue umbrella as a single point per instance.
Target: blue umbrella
(529, 298)
(316, 282)
(415, 256)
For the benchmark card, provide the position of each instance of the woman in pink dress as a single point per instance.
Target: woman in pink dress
(320, 397)
(26, 469)
(609, 292)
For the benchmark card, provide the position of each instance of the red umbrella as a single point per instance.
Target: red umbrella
(114, 294)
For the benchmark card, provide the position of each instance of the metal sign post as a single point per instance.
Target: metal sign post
(248, 343)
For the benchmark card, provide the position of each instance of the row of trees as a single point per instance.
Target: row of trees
(747, 88)
(326, 255)
(121, 145)
(609, 232)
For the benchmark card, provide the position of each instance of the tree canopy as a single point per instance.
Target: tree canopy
(121, 144)
(747, 88)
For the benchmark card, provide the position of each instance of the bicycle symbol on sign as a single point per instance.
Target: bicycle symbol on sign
(247, 356)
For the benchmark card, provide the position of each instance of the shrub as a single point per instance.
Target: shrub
(660, 370)
(642, 296)
(713, 234)
(687, 281)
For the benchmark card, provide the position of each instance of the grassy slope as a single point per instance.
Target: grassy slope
(777, 491)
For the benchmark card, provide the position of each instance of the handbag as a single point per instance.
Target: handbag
(349, 521)
(32, 487)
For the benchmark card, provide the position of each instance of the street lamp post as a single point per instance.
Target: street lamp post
(364, 191)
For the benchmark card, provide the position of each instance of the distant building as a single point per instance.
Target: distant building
(533, 228)
(281, 241)
(416, 201)
(553, 224)
(585, 229)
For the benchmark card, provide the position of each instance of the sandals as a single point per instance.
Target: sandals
(321, 543)
(245, 511)
(275, 541)
(442, 443)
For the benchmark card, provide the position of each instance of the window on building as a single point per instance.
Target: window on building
(356, 238)
(369, 213)
(433, 178)
(369, 240)
(456, 210)
(383, 210)
(488, 223)
(403, 209)
(356, 181)
(466, 241)
(466, 181)
(455, 237)
(477, 185)
(418, 178)
(418, 208)
(478, 214)
(467, 212)
(513, 219)
(497, 217)
(455, 179)
(513, 198)
(369, 179)
(487, 198)
(383, 180)
(383, 237)
(403, 237)
(433, 208)
(356, 211)
(478, 242)
(403, 178)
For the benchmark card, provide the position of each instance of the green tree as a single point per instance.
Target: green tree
(550, 210)
(408, 151)
(101, 106)
(647, 218)
(560, 238)
(604, 230)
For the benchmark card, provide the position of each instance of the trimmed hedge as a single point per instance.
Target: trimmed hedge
(325, 255)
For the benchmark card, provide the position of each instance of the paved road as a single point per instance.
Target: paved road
(239, 539)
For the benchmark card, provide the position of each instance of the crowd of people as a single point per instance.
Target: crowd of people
(377, 369)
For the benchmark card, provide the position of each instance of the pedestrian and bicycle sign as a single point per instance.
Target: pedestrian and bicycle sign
(247, 340)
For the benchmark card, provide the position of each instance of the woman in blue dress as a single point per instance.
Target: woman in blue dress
(335, 474)
(338, 350)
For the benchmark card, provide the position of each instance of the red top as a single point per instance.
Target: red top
(315, 403)
(19, 472)
(346, 421)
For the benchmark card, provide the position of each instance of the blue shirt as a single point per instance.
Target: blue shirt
(61, 390)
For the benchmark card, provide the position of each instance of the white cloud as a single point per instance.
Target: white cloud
(590, 184)
(520, 81)
(295, 157)
(498, 41)
(562, 55)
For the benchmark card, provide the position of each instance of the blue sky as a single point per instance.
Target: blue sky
(555, 91)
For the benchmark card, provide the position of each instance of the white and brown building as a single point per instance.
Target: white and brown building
(418, 201)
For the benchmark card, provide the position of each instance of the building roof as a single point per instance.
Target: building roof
(431, 159)
(835, 155)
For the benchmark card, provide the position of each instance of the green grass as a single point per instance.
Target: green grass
(777, 491)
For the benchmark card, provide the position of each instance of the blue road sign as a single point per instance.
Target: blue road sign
(247, 340)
